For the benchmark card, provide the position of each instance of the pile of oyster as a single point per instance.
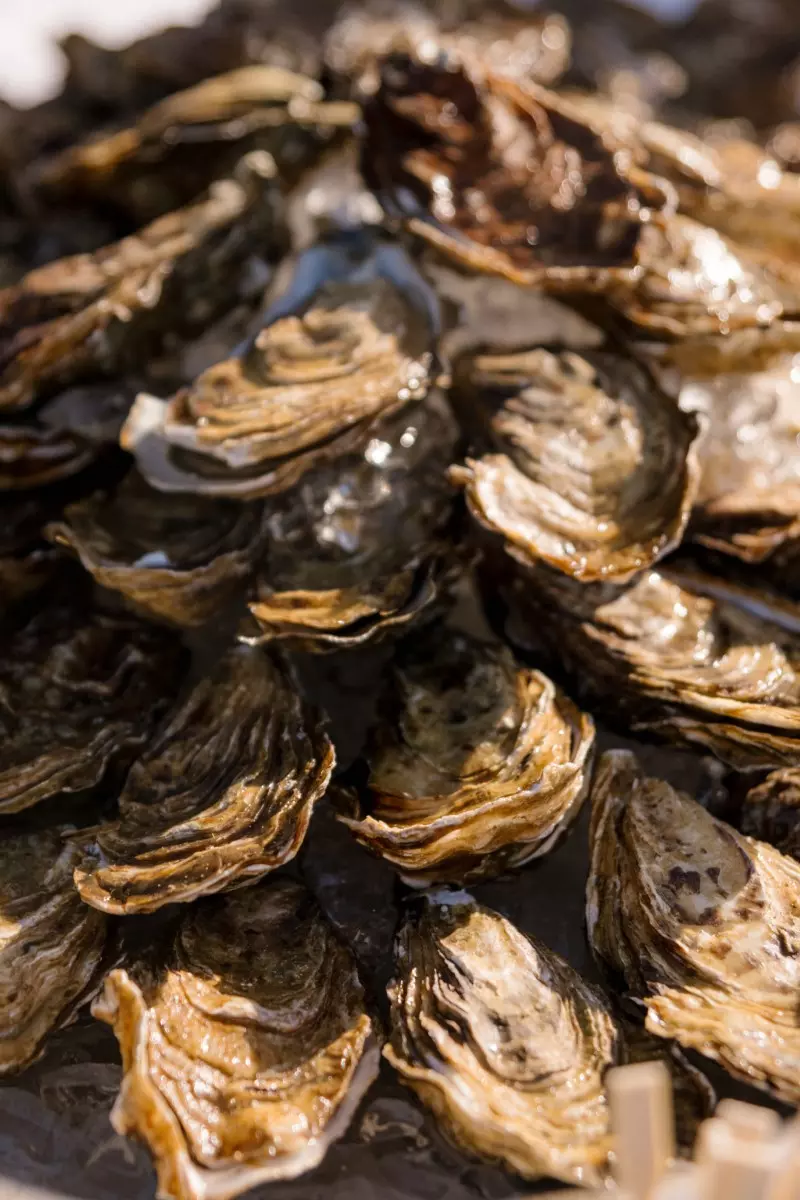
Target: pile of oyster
(390, 358)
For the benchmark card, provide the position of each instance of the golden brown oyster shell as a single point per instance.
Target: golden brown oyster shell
(359, 549)
(94, 313)
(478, 765)
(80, 687)
(178, 558)
(352, 341)
(701, 923)
(504, 179)
(222, 795)
(771, 811)
(51, 944)
(667, 660)
(247, 1052)
(181, 144)
(508, 1045)
(593, 469)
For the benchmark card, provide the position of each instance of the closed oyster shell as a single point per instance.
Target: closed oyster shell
(80, 688)
(178, 558)
(181, 144)
(222, 795)
(504, 179)
(359, 550)
(247, 1052)
(771, 811)
(701, 923)
(478, 765)
(593, 469)
(667, 660)
(92, 314)
(508, 1045)
(351, 341)
(51, 944)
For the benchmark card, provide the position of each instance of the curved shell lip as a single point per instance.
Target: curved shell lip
(478, 477)
(52, 455)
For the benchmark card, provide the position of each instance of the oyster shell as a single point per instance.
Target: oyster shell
(222, 795)
(247, 1052)
(503, 179)
(184, 142)
(80, 688)
(771, 811)
(701, 923)
(178, 558)
(479, 764)
(667, 660)
(351, 341)
(94, 313)
(360, 549)
(508, 1045)
(593, 469)
(51, 944)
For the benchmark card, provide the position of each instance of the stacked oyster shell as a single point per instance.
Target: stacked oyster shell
(235, 436)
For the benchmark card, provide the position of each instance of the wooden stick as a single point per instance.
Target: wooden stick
(640, 1098)
(735, 1168)
(753, 1122)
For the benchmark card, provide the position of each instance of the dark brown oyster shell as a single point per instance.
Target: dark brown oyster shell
(508, 1045)
(81, 687)
(184, 142)
(700, 922)
(94, 313)
(51, 944)
(222, 794)
(246, 1053)
(352, 341)
(360, 549)
(478, 765)
(177, 558)
(592, 469)
(664, 659)
(771, 811)
(503, 179)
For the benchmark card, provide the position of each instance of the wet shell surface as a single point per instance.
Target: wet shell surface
(246, 1051)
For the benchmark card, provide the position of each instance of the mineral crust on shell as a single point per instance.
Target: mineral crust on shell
(221, 795)
(699, 922)
(246, 1052)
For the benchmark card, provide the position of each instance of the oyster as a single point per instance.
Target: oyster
(508, 1045)
(194, 136)
(81, 687)
(351, 341)
(179, 558)
(667, 660)
(246, 1053)
(771, 811)
(700, 922)
(504, 179)
(593, 469)
(94, 313)
(222, 794)
(479, 764)
(51, 944)
(360, 549)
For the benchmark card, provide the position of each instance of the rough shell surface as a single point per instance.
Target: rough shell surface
(699, 921)
(222, 794)
(478, 765)
(51, 944)
(592, 469)
(247, 1051)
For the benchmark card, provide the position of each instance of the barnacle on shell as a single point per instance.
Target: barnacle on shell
(477, 765)
(222, 794)
(699, 922)
(246, 1048)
